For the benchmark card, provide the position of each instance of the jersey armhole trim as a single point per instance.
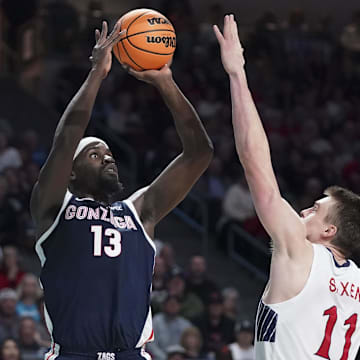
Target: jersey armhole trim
(131, 206)
(38, 246)
(316, 250)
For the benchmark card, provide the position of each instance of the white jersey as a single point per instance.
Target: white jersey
(321, 322)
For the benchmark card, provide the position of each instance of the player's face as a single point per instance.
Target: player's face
(96, 170)
(314, 218)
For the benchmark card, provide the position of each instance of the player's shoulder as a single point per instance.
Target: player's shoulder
(324, 252)
(136, 195)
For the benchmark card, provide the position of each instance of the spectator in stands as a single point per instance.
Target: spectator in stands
(191, 304)
(175, 352)
(231, 303)
(9, 321)
(160, 277)
(17, 188)
(36, 152)
(160, 274)
(209, 104)
(206, 33)
(44, 336)
(10, 273)
(350, 37)
(237, 204)
(191, 341)
(197, 281)
(29, 294)
(167, 253)
(216, 328)
(215, 182)
(63, 25)
(8, 228)
(29, 340)
(242, 348)
(312, 190)
(212, 187)
(168, 327)
(9, 156)
(9, 350)
(122, 117)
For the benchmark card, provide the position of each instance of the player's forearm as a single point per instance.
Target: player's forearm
(250, 138)
(75, 119)
(192, 133)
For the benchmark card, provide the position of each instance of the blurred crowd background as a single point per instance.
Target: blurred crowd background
(304, 78)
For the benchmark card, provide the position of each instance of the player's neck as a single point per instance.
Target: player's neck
(100, 198)
(338, 256)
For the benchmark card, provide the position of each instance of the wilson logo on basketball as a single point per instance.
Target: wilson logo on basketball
(166, 40)
(158, 21)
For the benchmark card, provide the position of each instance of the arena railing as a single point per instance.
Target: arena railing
(200, 222)
(248, 251)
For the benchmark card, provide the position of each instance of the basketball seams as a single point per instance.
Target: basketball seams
(138, 17)
(118, 50)
(128, 53)
(141, 68)
(148, 51)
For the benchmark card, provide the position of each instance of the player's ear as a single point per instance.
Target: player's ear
(330, 231)
(72, 175)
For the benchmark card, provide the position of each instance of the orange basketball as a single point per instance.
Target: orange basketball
(149, 41)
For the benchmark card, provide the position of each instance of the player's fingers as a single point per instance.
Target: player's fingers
(126, 67)
(137, 74)
(169, 63)
(115, 38)
(97, 35)
(104, 30)
(226, 31)
(218, 34)
(114, 31)
(234, 29)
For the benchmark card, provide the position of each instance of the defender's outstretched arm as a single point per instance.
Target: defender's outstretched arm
(279, 219)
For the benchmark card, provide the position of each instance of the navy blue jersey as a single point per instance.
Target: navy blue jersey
(97, 266)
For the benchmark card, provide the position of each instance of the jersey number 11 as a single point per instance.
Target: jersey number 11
(325, 345)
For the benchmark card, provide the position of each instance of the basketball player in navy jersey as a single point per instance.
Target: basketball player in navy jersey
(96, 252)
(310, 308)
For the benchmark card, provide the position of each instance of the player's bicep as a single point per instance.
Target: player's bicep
(279, 219)
(171, 187)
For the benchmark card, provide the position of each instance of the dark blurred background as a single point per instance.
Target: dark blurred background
(303, 64)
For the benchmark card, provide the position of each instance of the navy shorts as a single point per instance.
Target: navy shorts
(132, 354)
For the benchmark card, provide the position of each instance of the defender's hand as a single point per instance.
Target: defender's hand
(154, 77)
(101, 54)
(231, 50)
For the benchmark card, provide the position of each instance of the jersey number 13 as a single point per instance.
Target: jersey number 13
(114, 247)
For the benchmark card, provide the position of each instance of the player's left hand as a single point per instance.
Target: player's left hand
(231, 50)
(154, 77)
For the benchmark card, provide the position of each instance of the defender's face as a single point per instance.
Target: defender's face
(314, 218)
(95, 169)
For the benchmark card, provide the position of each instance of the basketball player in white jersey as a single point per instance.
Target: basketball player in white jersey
(311, 305)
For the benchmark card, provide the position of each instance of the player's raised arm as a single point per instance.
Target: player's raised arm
(49, 191)
(172, 185)
(279, 219)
